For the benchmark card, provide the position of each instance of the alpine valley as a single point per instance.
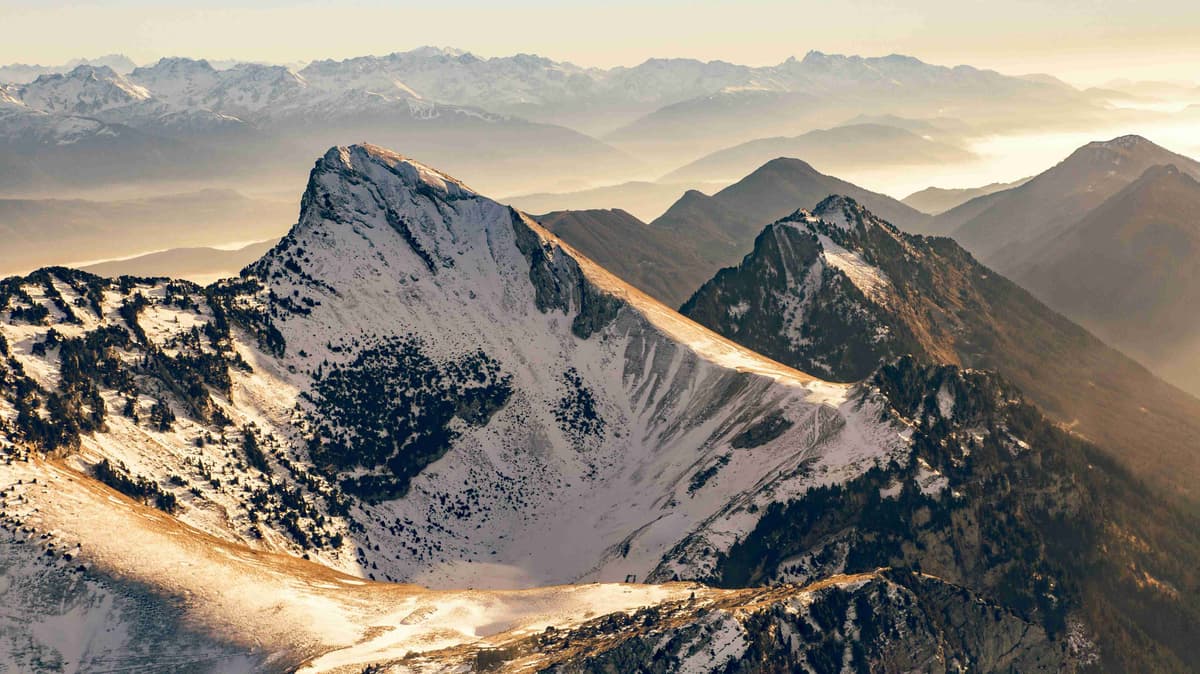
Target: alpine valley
(423, 433)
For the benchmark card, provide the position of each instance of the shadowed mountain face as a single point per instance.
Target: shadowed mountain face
(1004, 228)
(420, 384)
(725, 224)
(833, 291)
(664, 266)
(1128, 272)
(671, 256)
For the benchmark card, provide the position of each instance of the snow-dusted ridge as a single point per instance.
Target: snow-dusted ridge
(613, 437)
(551, 424)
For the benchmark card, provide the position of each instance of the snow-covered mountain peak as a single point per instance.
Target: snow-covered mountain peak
(364, 157)
(845, 213)
(429, 51)
(177, 80)
(364, 186)
(85, 90)
(540, 348)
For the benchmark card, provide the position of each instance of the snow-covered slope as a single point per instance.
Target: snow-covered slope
(86, 90)
(93, 581)
(475, 403)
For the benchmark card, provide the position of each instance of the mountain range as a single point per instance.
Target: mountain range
(790, 300)
(824, 90)
(426, 431)
(257, 120)
(418, 384)
(531, 124)
(1127, 271)
(21, 73)
(698, 234)
(1102, 237)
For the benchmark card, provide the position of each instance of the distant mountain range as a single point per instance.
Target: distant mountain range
(823, 90)
(937, 200)
(183, 119)
(390, 440)
(699, 233)
(21, 73)
(532, 124)
(1104, 238)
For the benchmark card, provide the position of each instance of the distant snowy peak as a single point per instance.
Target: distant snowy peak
(249, 89)
(83, 91)
(366, 73)
(895, 71)
(177, 80)
(118, 62)
(257, 93)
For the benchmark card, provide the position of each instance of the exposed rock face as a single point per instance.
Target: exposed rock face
(794, 300)
(851, 287)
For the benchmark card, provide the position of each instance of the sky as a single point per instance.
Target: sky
(1086, 42)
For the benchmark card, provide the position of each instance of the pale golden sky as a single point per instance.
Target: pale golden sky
(1085, 42)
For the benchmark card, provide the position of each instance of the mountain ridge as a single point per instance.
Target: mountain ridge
(938, 301)
(421, 385)
(1134, 251)
(1027, 216)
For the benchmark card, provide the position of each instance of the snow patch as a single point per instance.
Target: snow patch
(868, 278)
